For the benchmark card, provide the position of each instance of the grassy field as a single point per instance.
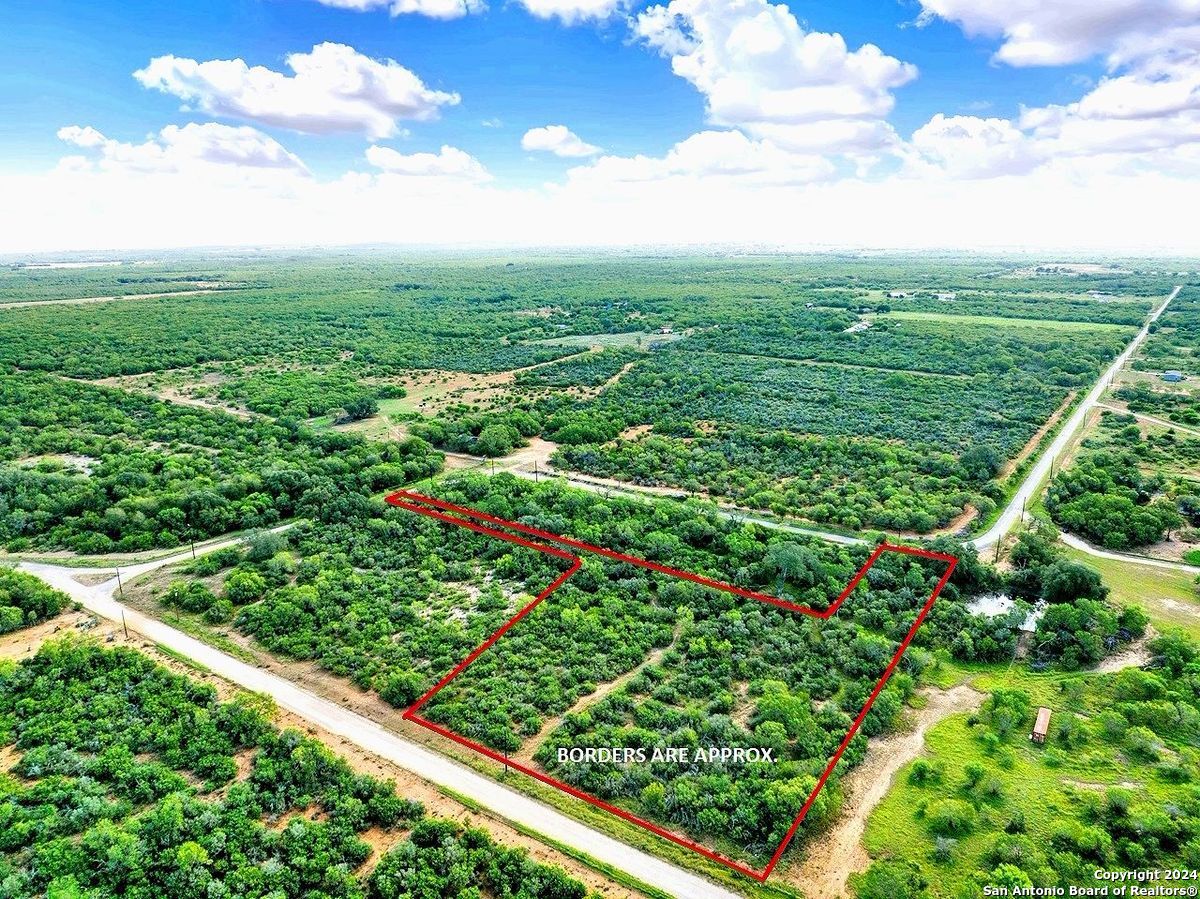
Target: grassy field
(1169, 597)
(1053, 324)
(613, 341)
(1046, 788)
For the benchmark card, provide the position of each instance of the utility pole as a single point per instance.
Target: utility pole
(535, 471)
(998, 542)
(119, 584)
(124, 626)
(193, 550)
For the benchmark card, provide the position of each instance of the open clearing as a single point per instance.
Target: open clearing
(605, 341)
(1008, 323)
(1169, 597)
(128, 296)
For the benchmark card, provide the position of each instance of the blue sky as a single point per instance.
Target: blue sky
(71, 62)
(1011, 103)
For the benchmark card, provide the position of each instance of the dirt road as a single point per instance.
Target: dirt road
(836, 854)
(365, 733)
(1083, 546)
(129, 296)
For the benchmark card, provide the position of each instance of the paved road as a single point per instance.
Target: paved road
(374, 738)
(1008, 518)
(1033, 481)
(1012, 512)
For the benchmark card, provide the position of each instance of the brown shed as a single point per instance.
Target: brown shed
(1042, 726)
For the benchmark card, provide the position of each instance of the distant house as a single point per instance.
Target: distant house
(810, 305)
(664, 330)
(1172, 375)
(947, 297)
(897, 295)
(1041, 727)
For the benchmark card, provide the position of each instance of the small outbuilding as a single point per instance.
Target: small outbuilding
(897, 295)
(1172, 376)
(1041, 727)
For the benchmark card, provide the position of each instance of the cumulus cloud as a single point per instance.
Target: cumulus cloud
(973, 147)
(571, 12)
(451, 163)
(1144, 114)
(709, 155)
(434, 9)
(1153, 108)
(1144, 119)
(559, 140)
(1037, 32)
(761, 71)
(176, 150)
(334, 88)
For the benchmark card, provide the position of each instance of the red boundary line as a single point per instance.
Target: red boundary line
(420, 504)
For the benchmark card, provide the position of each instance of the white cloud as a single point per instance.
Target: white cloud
(176, 150)
(434, 9)
(709, 155)
(334, 89)
(451, 163)
(1056, 32)
(571, 12)
(117, 207)
(559, 140)
(760, 71)
(973, 147)
(1143, 115)
(1145, 118)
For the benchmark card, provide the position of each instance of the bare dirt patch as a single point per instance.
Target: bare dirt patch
(837, 853)
(70, 462)
(530, 746)
(537, 453)
(25, 643)
(1137, 655)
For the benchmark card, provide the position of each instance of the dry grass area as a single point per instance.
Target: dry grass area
(184, 386)
(24, 644)
(431, 392)
(635, 431)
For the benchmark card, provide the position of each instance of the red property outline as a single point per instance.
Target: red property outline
(441, 510)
